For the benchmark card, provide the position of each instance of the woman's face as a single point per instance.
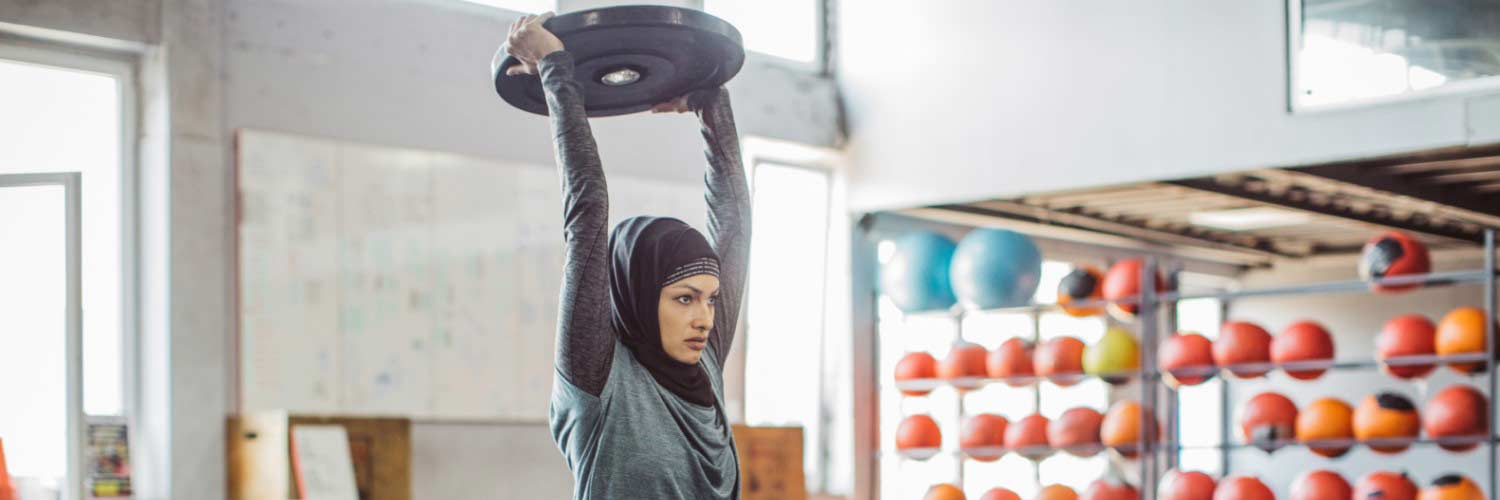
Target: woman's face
(686, 314)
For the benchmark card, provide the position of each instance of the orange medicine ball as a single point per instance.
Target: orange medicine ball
(1121, 428)
(944, 492)
(1457, 411)
(1302, 341)
(1384, 485)
(1056, 492)
(1000, 494)
(1326, 419)
(914, 366)
(1386, 416)
(1461, 331)
(1191, 355)
(1242, 342)
(1243, 488)
(1012, 359)
(1451, 487)
(1060, 360)
(983, 431)
(918, 432)
(963, 365)
(1321, 485)
(1191, 485)
(1406, 335)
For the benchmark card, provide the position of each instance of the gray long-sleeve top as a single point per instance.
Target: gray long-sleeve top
(622, 434)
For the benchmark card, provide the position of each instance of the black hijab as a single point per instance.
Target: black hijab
(646, 255)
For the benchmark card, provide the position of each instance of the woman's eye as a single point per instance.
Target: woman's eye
(713, 300)
(684, 300)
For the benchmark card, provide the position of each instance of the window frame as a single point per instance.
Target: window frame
(122, 65)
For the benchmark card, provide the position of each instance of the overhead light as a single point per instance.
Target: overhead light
(1248, 219)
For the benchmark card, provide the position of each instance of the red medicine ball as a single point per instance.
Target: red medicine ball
(916, 366)
(1383, 485)
(1460, 411)
(1243, 488)
(1302, 341)
(1407, 335)
(1011, 362)
(1268, 420)
(1243, 342)
(1393, 254)
(1109, 489)
(1193, 485)
(1186, 359)
(1123, 282)
(1321, 485)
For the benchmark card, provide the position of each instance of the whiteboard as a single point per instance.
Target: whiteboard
(386, 281)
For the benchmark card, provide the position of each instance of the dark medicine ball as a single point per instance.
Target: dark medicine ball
(1393, 254)
(1084, 283)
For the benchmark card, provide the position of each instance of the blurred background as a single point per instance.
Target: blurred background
(224, 219)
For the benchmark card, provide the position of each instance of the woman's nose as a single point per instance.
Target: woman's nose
(703, 317)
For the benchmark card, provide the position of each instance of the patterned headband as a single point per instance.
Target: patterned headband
(705, 265)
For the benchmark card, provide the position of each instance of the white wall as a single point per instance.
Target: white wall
(978, 99)
(415, 73)
(1354, 319)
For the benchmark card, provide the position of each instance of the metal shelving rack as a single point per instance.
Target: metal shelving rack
(1151, 315)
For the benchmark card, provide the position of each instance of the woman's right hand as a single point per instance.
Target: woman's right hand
(529, 42)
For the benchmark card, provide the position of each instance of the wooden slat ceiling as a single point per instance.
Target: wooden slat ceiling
(1446, 198)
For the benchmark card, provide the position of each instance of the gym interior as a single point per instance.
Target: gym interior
(1001, 250)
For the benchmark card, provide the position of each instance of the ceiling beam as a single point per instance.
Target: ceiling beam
(1378, 218)
(1430, 166)
(1027, 213)
(1235, 259)
(1461, 178)
(1372, 174)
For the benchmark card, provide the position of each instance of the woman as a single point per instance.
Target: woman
(647, 321)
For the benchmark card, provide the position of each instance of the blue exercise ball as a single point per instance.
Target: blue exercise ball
(916, 276)
(995, 268)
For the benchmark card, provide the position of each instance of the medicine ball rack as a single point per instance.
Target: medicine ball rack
(1151, 467)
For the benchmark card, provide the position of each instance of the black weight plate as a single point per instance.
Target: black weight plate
(675, 51)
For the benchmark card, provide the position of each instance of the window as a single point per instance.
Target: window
(523, 6)
(33, 331)
(1199, 407)
(1352, 51)
(787, 29)
(62, 119)
(785, 307)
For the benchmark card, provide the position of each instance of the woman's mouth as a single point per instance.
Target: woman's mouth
(697, 343)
